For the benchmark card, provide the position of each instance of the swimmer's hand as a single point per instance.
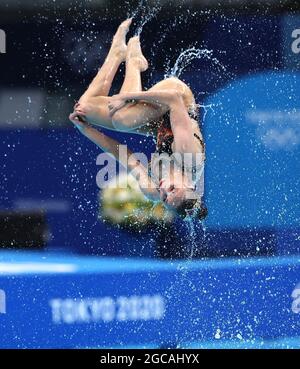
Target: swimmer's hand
(116, 103)
(79, 122)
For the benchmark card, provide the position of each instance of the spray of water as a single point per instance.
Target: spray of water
(139, 8)
(187, 56)
(185, 59)
(192, 237)
(145, 12)
(182, 277)
(147, 18)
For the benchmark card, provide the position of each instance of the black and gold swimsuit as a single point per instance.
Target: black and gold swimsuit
(164, 155)
(165, 135)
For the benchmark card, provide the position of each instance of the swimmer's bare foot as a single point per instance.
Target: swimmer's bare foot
(118, 47)
(135, 55)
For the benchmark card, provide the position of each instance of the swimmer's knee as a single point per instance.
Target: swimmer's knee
(183, 89)
(173, 79)
(173, 83)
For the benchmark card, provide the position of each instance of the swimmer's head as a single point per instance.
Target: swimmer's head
(171, 196)
(181, 199)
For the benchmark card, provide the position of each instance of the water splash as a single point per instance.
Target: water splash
(140, 7)
(183, 278)
(184, 59)
(187, 56)
(196, 232)
(206, 109)
(150, 14)
(145, 12)
(190, 223)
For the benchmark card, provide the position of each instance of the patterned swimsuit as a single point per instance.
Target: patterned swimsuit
(167, 157)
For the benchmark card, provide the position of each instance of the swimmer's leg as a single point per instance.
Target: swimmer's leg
(135, 115)
(92, 106)
(101, 84)
(140, 116)
(135, 64)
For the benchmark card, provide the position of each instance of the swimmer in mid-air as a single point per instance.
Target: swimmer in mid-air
(167, 112)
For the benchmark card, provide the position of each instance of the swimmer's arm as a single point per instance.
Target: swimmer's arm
(183, 132)
(111, 146)
(161, 98)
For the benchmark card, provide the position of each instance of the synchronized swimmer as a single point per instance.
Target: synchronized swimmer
(167, 111)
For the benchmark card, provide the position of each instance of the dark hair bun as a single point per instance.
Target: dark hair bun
(202, 212)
